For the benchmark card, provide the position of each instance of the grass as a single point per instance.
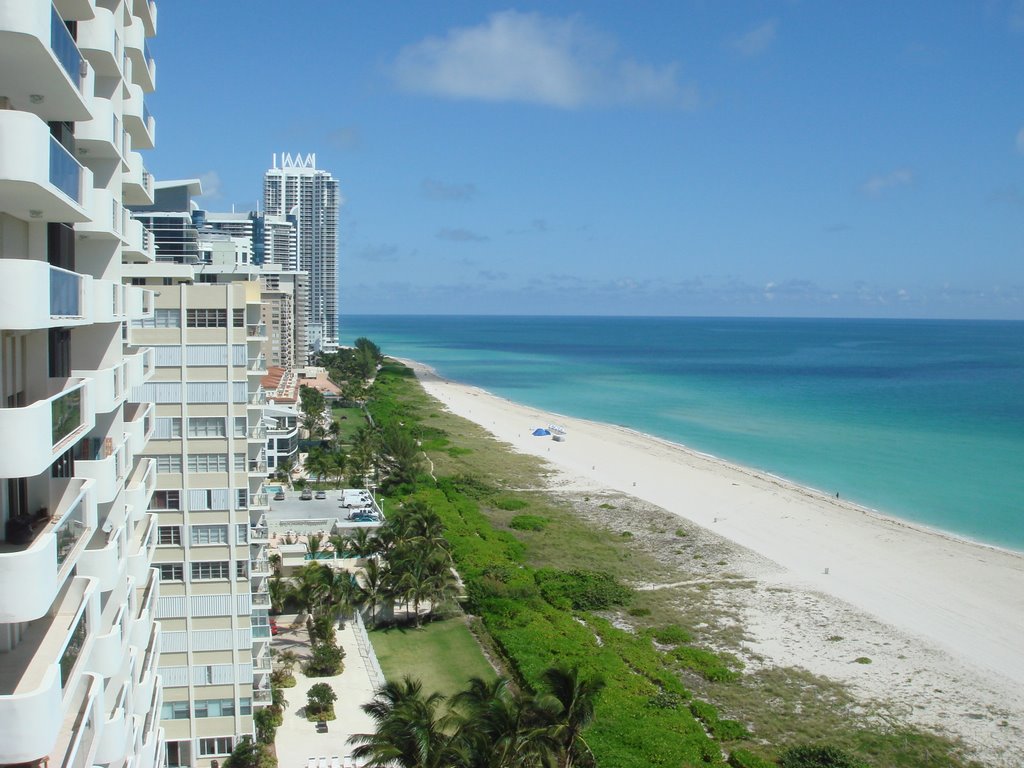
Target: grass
(443, 654)
(347, 427)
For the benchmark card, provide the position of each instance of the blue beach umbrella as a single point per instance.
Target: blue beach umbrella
(540, 432)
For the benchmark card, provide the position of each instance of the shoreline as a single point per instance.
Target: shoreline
(941, 616)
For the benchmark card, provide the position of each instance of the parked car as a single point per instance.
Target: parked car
(279, 496)
(321, 494)
(306, 495)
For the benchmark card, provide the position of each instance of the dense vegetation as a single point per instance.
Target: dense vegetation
(663, 692)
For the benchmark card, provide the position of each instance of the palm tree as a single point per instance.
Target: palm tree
(339, 544)
(308, 590)
(362, 543)
(577, 697)
(374, 587)
(317, 464)
(285, 467)
(314, 545)
(279, 590)
(410, 731)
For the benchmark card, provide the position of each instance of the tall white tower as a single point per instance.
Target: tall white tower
(297, 188)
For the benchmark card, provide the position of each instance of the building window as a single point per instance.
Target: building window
(162, 318)
(241, 569)
(219, 745)
(242, 498)
(242, 533)
(209, 570)
(209, 534)
(168, 428)
(206, 318)
(169, 534)
(215, 707)
(239, 318)
(207, 427)
(168, 464)
(239, 462)
(207, 462)
(172, 572)
(174, 710)
(179, 753)
(165, 501)
(240, 426)
(245, 706)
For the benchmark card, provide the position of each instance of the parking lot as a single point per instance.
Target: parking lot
(292, 508)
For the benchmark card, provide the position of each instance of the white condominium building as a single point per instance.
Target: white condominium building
(210, 454)
(79, 647)
(298, 189)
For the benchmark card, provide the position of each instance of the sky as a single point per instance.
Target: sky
(686, 157)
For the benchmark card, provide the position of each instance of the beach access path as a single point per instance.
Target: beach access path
(961, 598)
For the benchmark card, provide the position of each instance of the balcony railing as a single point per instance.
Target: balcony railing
(259, 500)
(260, 633)
(65, 171)
(70, 530)
(65, 414)
(258, 330)
(66, 293)
(259, 567)
(65, 48)
(261, 600)
(259, 432)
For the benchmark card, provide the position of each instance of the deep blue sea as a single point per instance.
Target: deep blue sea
(922, 420)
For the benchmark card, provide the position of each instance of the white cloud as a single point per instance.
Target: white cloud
(756, 41)
(536, 59)
(211, 184)
(901, 177)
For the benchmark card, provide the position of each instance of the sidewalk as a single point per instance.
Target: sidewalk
(297, 740)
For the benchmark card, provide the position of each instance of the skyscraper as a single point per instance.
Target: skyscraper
(311, 195)
(79, 647)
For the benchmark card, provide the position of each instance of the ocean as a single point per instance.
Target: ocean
(921, 420)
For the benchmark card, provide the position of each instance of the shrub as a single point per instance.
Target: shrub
(639, 612)
(712, 666)
(528, 522)
(808, 756)
(581, 590)
(862, 660)
(721, 729)
(741, 758)
(250, 754)
(667, 700)
(510, 503)
(325, 661)
(320, 701)
(672, 634)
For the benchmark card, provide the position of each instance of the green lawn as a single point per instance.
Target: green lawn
(347, 426)
(443, 654)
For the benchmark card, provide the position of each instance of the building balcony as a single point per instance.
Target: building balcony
(148, 672)
(39, 554)
(138, 243)
(39, 178)
(258, 398)
(41, 66)
(260, 600)
(36, 674)
(139, 424)
(109, 301)
(35, 295)
(99, 40)
(45, 428)
(137, 182)
(256, 332)
(139, 488)
(259, 500)
(109, 386)
(108, 648)
(107, 217)
(260, 533)
(143, 65)
(262, 697)
(101, 560)
(145, 10)
(142, 547)
(105, 462)
(112, 746)
(258, 434)
(144, 619)
(137, 121)
(140, 302)
(259, 567)
(258, 366)
(78, 731)
(103, 136)
(141, 365)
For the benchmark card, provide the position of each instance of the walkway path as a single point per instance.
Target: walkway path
(297, 740)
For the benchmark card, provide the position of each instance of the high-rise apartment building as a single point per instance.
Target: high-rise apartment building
(285, 299)
(210, 458)
(298, 188)
(79, 647)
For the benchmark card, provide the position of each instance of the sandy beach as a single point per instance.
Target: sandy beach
(942, 617)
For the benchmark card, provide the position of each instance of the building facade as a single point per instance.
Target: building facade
(210, 456)
(79, 644)
(285, 303)
(298, 188)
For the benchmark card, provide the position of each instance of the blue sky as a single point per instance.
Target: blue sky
(693, 157)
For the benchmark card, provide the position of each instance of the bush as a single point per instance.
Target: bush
(250, 754)
(510, 503)
(712, 666)
(320, 702)
(581, 590)
(808, 756)
(528, 522)
(721, 729)
(672, 634)
(325, 661)
(741, 758)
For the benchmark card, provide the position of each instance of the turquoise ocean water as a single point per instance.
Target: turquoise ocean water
(922, 420)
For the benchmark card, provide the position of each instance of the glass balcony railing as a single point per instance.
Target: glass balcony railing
(65, 172)
(146, 116)
(72, 650)
(147, 54)
(66, 414)
(65, 48)
(65, 293)
(262, 633)
(69, 531)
